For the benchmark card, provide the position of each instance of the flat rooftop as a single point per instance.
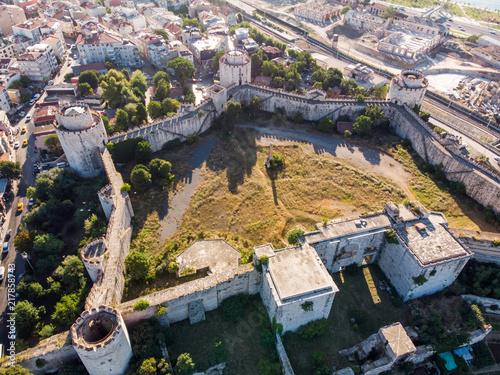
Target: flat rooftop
(346, 227)
(432, 244)
(297, 272)
(216, 255)
(398, 339)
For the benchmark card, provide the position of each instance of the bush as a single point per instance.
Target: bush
(390, 236)
(173, 267)
(124, 151)
(264, 259)
(293, 236)
(141, 305)
(313, 329)
(232, 308)
(419, 280)
(218, 352)
(125, 187)
(325, 125)
(277, 162)
(483, 357)
(347, 134)
(40, 362)
(496, 243)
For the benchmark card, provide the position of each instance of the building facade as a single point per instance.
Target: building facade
(38, 62)
(10, 15)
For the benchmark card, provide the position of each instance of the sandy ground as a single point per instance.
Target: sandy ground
(364, 158)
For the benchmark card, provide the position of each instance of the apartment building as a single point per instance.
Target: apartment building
(153, 48)
(10, 15)
(8, 50)
(38, 62)
(29, 29)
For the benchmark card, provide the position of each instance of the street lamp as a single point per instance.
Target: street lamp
(25, 256)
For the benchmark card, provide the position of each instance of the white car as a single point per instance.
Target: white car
(493, 31)
(36, 96)
(2, 273)
(28, 117)
(16, 145)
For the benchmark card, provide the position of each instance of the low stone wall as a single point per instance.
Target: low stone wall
(211, 290)
(286, 367)
(485, 301)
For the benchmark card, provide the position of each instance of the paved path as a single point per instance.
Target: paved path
(365, 158)
(171, 215)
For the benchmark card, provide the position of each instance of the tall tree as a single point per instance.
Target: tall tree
(27, 316)
(255, 104)
(155, 110)
(85, 89)
(10, 169)
(52, 142)
(122, 120)
(143, 152)
(216, 58)
(182, 67)
(142, 114)
(231, 115)
(137, 265)
(169, 105)
(91, 77)
(162, 90)
(138, 80)
(159, 76)
(72, 273)
(362, 125)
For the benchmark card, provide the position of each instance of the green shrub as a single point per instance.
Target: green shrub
(293, 236)
(313, 329)
(326, 125)
(406, 202)
(160, 310)
(124, 151)
(277, 162)
(232, 308)
(419, 280)
(496, 243)
(125, 187)
(347, 134)
(307, 306)
(141, 305)
(173, 267)
(218, 352)
(40, 362)
(484, 358)
(390, 237)
(264, 259)
(170, 145)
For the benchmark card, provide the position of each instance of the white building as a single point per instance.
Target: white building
(56, 44)
(38, 62)
(297, 288)
(154, 49)
(10, 15)
(363, 20)
(96, 45)
(8, 50)
(96, 11)
(29, 29)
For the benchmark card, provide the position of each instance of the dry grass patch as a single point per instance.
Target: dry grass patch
(238, 195)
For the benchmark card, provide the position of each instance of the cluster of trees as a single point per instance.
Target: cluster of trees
(229, 117)
(167, 107)
(158, 172)
(24, 81)
(480, 279)
(51, 299)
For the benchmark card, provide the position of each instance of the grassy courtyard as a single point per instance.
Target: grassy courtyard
(355, 295)
(241, 344)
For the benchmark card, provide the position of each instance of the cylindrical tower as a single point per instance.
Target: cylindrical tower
(101, 340)
(82, 136)
(235, 68)
(408, 88)
(93, 257)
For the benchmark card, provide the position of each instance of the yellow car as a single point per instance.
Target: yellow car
(25, 143)
(23, 130)
(20, 207)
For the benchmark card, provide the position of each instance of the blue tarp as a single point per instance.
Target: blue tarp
(464, 353)
(450, 361)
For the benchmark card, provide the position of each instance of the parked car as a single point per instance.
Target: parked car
(8, 234)
(25, 143)
(2, 273)
(5, 247)
(32, 101)
(20, 207)
(31, 202)
(16, 145)
(23, 130)
(28, 118)
(36, 96)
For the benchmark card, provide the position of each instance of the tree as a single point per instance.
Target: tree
(85, 89)
(143, 152)
(14, 370)
(140, 178)
(255, 104)
(159, 168)
(390, 11)
(345, 9)
(474, 38)
(138, 80)
(72, 273)
(169, 106)
(362, 126)
(94, 227)
(142, 114)
(24, 241)
(231, 115)
(216, 58)
(66, 310)
(184, 365)
(293, 236)
(374, 113)
(425, 116)
(239, 18)
(325, 124)
(155, 110)
(137, 265)
(148, 367)
(269, 69)
(162, 90)
(348, 86)
(91, 77)
(159, 76)
(256, 65)
(380, 92)
(52, 142)
(163, 33)
(108, 10)
(182, 67)
(68, 76)
(47, 244)
(105, 122)
(10, 169)
(27, 316)
(122, 120)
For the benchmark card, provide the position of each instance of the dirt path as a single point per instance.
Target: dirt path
(364, 158)
(171, 215)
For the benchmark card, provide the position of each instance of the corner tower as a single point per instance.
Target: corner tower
(409, 87)
(101, 340)
(82, 136)
(235, 68)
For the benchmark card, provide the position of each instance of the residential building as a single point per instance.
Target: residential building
(197, 6)
(96, 11)
(45, 116)
(241, 33)
(10, 15)
(7, 78)
(38, 62)
(318, 13)
(4, 99)
(205, 49)
(56, 44)
(174, 31)
(8, 50)
(363, 20)
(96, 44)
(154, 49)
(158, 18)
(29, 29)
(182, 51)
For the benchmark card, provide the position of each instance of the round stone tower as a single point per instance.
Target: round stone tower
(408, 88)
(101, 340)
(235, 68)
(93, 257)
(82, 136)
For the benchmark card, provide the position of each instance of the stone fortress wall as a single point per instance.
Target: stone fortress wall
(192, 299)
